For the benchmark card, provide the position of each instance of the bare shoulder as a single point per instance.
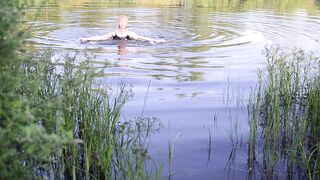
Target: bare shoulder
(109, 35)
(132, 34)
(112, 33)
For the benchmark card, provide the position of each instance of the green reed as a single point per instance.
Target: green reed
(57, 122)
(66, 99)
(284, 111)
(107, 147)
(171, 155)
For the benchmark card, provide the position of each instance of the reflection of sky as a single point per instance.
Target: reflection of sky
(202, 46)
(205, 62)
(198, 49)
(288, 30)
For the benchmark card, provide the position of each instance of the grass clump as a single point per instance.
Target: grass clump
(285, 114)
(56, 122)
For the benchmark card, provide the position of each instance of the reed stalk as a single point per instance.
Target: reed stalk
(285, 106)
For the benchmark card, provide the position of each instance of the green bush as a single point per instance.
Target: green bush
(26, 146)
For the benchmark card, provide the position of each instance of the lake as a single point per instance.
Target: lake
(197, 84)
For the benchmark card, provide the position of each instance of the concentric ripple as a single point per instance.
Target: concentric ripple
(196, 41)
(183, 81)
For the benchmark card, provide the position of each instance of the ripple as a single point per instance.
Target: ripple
(182, 81)
(193, 43)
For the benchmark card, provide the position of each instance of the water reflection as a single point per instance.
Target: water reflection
(221, 5)
(122, 49)
(207, 50)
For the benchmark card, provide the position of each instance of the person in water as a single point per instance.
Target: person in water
(121, 34)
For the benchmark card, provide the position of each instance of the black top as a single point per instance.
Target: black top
(116, 37)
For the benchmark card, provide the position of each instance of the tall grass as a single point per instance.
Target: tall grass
(56, 122)
(285, 114)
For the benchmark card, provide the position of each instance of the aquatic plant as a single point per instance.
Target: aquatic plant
(57, 122)
(284, 112)
(171, 155)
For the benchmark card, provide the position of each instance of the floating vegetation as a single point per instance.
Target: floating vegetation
(285, 117)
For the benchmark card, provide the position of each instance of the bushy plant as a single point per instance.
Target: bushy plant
(26, 146)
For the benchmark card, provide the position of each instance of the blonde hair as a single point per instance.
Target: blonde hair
(123, 18)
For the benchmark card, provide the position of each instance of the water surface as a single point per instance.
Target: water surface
(197, 83)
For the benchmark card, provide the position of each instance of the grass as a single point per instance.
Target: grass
(284, 112)
(171, 155)
(68, 100)
(57, 122)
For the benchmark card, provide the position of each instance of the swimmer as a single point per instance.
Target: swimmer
(122, 34)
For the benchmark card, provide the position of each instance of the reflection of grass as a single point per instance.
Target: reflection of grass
(234, 97)
(286, 107)
(234, 133)
(209, 148)
(219, 5)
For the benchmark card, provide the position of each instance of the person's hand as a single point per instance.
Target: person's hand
(152, 42)
(160, 40)
(83, 40)
(155, 41)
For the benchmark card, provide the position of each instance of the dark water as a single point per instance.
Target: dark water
(197, 83)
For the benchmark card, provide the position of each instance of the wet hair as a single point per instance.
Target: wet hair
(123, 18)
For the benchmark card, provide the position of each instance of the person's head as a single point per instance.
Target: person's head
(123, 21)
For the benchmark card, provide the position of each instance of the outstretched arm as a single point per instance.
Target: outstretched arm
(98, 38)
(137, 37)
